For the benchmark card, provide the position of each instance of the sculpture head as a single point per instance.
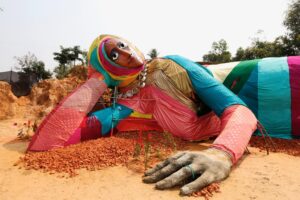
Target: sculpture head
(122, 53)
(116, 58)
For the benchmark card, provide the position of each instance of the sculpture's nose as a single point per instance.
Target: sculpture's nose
(126, 52)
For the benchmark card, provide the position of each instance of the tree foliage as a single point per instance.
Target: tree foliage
(292, 18)
(61, 71)
(153, 53)
(261, 49)
(286, 45)
(292, 23)
(219, 53)
(67, 58)
(29, 64)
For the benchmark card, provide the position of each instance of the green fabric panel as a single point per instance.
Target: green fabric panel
(240, 75)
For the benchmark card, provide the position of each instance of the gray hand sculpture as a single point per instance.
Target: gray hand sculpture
(199, 169)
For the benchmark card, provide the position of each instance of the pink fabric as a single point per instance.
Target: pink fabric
(75, 138)
(133, 124)
(238, 124)
(60, 125)
(173, 116)
(85, 96)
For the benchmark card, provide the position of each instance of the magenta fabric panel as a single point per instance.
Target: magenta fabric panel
(294, 67)
(90, 128)
(75, 138)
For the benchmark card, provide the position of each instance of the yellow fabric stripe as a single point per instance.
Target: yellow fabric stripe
(140, 115)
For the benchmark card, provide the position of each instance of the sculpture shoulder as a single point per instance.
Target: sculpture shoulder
(162, 64)
(176, 75)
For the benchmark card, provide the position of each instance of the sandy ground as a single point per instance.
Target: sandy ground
(257, 176)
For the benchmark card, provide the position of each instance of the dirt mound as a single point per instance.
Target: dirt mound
(50, 92)
(7, 101)
(80, 72)
(42, 98)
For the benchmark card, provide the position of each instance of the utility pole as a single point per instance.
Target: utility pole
(10, 75)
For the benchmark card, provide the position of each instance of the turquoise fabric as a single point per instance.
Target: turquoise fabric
(274, 96)
(213, 93)
(95, 63)
(248, 92)
(110, 117)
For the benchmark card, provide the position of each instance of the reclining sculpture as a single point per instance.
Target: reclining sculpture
(184, 98)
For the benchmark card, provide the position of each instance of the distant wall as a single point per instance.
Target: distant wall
(21, 83)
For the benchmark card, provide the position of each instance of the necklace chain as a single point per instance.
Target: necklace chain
(141, 83)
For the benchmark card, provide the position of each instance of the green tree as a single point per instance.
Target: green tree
(66, 57)
(239, 55)
(84, 57)
(75, 54)
(286, 45)
(29, 64)
(259, 49)
(153, 53)
(292, 23)
(61, 71)
(219, 53)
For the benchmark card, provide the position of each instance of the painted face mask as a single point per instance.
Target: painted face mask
(116, 58)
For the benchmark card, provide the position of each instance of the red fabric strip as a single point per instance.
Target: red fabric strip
(294, 67)
(90, 129)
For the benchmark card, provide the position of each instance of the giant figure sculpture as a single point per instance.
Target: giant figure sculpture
(183, 98)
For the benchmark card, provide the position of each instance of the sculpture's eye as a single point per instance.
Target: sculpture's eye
(114, 55)
(122, 45)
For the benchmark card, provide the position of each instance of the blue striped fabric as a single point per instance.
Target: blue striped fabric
(274, 96)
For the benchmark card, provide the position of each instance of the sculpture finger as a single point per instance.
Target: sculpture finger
(204, 180)
(172, 167)
(163, 163)
(186, 172)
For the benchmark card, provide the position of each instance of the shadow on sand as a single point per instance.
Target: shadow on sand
(16, 145)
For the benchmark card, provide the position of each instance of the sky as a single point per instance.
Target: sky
(184, 27)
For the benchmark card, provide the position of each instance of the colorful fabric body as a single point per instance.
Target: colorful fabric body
(236, 124)
(270, 88)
